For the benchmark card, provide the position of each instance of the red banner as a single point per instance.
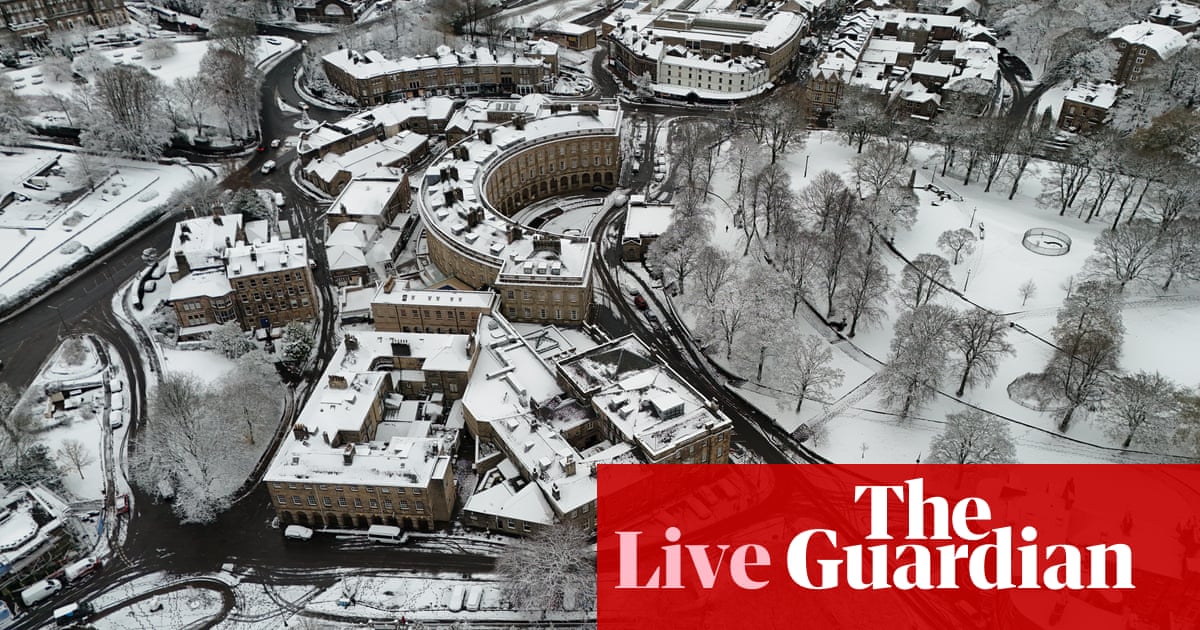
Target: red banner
(922, 547)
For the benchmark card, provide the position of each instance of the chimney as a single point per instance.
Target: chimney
(348, 455)
(181, 261)
(554, 491)
(570, 465)
(217, 219)
(337, 381)
(401, 349)
(391, 283)
(300, 432)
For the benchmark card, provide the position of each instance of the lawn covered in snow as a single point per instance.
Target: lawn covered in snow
(854, 426)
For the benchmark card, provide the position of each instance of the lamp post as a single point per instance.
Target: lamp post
(973, 210)
(967, 280)
(806, 165)
(62, 322)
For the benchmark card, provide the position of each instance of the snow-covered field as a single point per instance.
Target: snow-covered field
(856, 426)
(52, 230)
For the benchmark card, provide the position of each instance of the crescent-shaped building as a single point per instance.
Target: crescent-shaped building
(469, 194)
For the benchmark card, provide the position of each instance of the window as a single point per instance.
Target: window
(525, 527)
(404, 505)
(512, 524)
(453, 388)
(416, 492)
(338, 488)
(357, 502)
(282, 500)
(342, 501)
(374, 504)
(312, 501)
(296, 499)
(420, 506)
(353, 488)
(387, 505)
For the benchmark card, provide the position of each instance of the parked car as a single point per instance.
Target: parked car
(122, 504)
(268, 166)
(640, 303)
(116, 419)
(71, 615)
(274, 42)
(278, 199)
(297, 532)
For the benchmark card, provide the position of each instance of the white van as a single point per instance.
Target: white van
(81, 568)
(454, 601)
(297, 532)
(389, 534)
(116, 419)
(40, 591)
(115, 385)
(268, 166)
(116, 402)
(474, 597)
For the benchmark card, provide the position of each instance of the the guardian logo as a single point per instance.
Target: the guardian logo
(973, 555)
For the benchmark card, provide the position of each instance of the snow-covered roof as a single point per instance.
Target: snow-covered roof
(712, 63)
(645, 220)
(463, 172)
(247, 260)
(647, 402)
(1163, 40)
(1099, 95)
(565, 28)
(365, 197)
(508, 373)
(203, 240)
(210, 283)
(1175, 12)
(915, 92)
(388, 115)
(918, 21)
(501, 500)
(436, 297)
(528, 261)
(933, 69)
(366, 65)
(370, 160)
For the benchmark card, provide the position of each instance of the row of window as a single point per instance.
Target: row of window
(540, 296)
(297, 276)
(418, 506)
(278, 485)
(542, 313)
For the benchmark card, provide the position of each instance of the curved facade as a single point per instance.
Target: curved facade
(469, 193)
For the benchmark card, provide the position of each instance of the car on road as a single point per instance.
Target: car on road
(122, 504)
(653, 319)
(274, 42)
(599, 188)
(116, 419)
(640, 303)
(40, 591)
(275, 143)
(297, 532)
(267, 167)
(261, 148)
(81, 568)
(278, 199)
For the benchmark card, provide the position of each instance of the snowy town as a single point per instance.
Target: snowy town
(324, 314)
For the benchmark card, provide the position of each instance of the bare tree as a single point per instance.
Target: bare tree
(824, 199)
(1144, 405)
(1178, 254)
(864, 293)
(714, 270)
(233, 87)
(1067, 178)
(159, 48)
(922, 279)
(860, 116)
(1025, 142)
(804, 370)
(246, 392)
(837, 246)
(959, 242)
(978, 337)
(743, 159)
(972, 436)
(75, 454)
(542, 570)
(1027, 290)
(678, 249)
(732, 308)
(780, 123)
(1126, 255)
(127, 116)
(191, 95)
(236, 35)
(917, 360)
(798, 257)
(13, 110)
(1087, 338)
(879, 167)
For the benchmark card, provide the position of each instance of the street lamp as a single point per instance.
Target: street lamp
(62, 322)
(806, 165)
(973, 210)
(967, 280)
